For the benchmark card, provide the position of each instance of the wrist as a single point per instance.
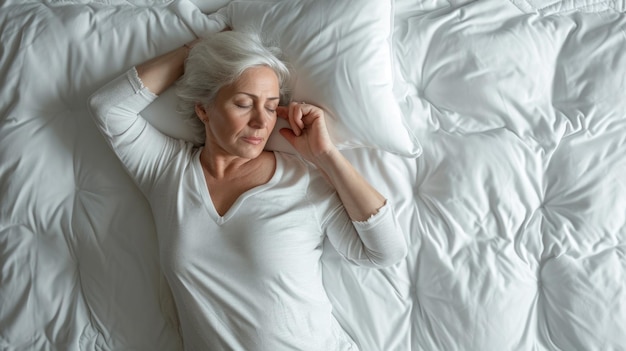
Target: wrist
(191, 44)
(330, 161)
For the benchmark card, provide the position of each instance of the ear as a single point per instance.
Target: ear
(201, 113)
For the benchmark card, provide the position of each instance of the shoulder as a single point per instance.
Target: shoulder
(317, 188)
(295, 165)
(184, 159)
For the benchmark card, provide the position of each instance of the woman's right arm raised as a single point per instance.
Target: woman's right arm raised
(142, 149)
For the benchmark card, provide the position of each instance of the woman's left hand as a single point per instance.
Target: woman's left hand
(308, 133)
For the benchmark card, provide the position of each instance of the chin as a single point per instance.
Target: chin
(251, 153)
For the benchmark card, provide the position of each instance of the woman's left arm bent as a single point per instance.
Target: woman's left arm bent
(309, 136)
(367, 208)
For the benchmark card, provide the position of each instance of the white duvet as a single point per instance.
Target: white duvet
(515, 213)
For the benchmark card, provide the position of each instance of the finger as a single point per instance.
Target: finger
(310, 113)
(295, 118)
(283, 112)
(303, 109)
(289, 135)
(292, 123)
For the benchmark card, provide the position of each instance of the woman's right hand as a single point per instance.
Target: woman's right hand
(308, 133)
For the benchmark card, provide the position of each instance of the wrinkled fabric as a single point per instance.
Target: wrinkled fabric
(515, 214)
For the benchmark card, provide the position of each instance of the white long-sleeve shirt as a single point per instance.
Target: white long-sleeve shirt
(250, 279)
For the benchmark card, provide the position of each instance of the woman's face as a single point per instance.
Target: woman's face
(243, 115)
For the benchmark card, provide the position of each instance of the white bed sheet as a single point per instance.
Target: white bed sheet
(515, 214)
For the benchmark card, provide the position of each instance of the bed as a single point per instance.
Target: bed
(497, 129)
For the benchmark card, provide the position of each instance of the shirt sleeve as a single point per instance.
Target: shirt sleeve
(377, 242)
(143, 149)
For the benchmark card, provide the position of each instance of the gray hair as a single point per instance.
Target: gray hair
(220, 59)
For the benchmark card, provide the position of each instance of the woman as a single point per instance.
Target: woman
(241, 229)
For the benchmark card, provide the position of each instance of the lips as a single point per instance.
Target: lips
(253, 140)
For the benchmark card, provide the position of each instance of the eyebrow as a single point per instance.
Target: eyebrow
(255, 96)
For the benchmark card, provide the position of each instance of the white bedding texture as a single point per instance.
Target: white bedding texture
(497, 129)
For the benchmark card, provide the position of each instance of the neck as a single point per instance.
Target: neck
(220, 165)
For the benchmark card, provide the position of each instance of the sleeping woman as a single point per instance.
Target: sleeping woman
(240, 229)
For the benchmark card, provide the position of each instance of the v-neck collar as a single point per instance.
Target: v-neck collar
(206, 196)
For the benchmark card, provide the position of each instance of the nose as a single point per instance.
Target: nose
(259, 118)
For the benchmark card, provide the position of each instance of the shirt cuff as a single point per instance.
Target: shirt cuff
(376, 218)
(133, 77)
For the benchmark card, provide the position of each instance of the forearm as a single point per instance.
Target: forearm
(161, 72)
(371, 236)
(360, 199)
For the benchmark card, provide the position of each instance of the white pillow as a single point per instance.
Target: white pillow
(340, 52)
